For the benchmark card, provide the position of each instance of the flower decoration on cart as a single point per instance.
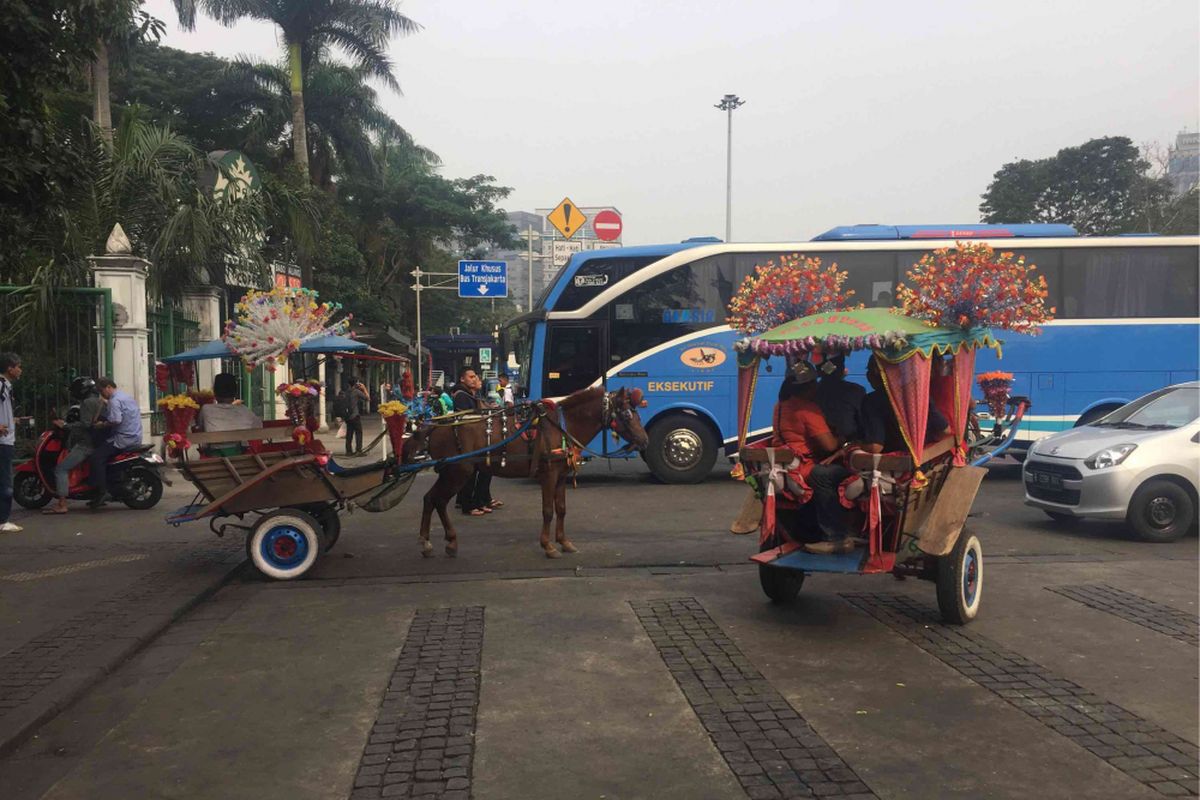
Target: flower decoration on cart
(795, 287)
(996, 387)
(300, 400)
(272, 325)
(395, 417)
(180, 412)
(971, 286)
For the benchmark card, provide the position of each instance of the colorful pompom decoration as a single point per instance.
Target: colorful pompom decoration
(970, 286)
(795, 287)
(272, 325)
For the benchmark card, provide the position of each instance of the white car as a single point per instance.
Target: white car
(1141, 463)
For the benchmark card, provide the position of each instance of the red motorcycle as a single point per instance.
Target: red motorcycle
(134, 476)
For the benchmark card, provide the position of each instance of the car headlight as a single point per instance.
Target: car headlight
(1110, 456)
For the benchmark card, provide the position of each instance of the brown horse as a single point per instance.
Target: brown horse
(547, 451)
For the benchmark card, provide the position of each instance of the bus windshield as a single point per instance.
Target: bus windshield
(517, 338)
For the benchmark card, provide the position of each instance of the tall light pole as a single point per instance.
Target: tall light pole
(728, 103)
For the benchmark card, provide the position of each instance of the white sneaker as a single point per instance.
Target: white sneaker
(10, 527)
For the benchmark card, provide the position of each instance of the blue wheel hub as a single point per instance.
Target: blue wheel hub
(970, 577)
(284, 547)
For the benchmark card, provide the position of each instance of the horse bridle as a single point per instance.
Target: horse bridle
(618, 420)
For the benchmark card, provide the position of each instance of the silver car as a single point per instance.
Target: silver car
(1141, 463)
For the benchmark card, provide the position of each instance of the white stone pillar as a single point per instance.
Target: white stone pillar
(125, 275)
(203, 304)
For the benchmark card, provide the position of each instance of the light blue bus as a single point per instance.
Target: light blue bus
(652, 317)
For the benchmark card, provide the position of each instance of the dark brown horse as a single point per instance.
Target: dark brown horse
(546, 452)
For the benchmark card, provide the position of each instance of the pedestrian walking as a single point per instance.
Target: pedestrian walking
(351, 405)
(10, 371)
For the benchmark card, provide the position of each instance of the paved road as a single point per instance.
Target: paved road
(649, 665)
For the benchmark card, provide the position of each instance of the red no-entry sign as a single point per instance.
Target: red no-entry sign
(607, 225)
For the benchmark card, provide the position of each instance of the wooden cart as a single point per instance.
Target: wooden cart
(296, 494)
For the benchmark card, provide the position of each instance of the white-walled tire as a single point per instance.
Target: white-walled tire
(960, 580)
(285, 544)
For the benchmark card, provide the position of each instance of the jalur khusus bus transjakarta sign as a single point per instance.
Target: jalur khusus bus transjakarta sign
(487, 279)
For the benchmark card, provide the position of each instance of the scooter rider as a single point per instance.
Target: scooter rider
(123, 419)
(80, 443)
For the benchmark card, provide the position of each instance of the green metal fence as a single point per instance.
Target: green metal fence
(59, 338)
(169, 332)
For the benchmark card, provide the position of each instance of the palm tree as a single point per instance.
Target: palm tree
(342, 112)
(126, 24)
(359, 28)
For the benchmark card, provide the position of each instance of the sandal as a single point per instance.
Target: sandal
(54, 511)
(475, 512)
(496, 504)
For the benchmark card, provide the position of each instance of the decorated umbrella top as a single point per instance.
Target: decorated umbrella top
(864, 329)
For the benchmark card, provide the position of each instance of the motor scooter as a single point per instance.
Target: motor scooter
(134, 476)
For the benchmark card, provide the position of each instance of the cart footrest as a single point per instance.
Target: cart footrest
(185, 514)
(796, 557)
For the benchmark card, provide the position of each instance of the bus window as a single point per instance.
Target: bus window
(871, 274)
(1101, 283)
(594, 276)
(1048, 264)
(573, 357)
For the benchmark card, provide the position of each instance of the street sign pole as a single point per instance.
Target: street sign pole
(529, 261)
(419, 287)
(420, 358)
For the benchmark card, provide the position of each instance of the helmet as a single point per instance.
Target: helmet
(82, 386)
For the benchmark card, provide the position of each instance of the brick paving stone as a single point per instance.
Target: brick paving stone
(1136, 746)
(767, 744)
(408, 754)
(1136, 609)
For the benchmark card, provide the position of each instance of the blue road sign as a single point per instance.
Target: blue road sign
(483, 279)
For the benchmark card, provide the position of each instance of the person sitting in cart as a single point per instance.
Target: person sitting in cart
(226, 414)
(881, 433)
(801, 427)
(840, 400)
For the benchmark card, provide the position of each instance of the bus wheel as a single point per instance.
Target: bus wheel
(682, 449)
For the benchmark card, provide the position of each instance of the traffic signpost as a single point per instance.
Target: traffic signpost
(483, 279)
(607, 225)
(566, 218)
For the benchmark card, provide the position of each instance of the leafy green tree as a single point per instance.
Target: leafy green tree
(359, 28)
(1100, 187)
(46, 45)
(195, 94)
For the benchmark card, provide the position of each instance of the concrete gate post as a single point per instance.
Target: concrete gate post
(203, 304)
(125, 274)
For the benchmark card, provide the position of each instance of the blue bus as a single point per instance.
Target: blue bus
(652, 317)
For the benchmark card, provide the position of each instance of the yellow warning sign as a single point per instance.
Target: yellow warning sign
(567, 218)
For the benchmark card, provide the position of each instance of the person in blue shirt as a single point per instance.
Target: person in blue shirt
(122, 423)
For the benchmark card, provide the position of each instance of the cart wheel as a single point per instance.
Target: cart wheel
(780, 584)
(285, 544)
(331, 525)
(960, 580)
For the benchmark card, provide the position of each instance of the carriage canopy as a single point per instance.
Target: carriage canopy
(920, 364)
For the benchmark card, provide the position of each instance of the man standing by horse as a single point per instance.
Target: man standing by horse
(476, 495)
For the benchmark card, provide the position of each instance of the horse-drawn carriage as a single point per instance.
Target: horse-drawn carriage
(911, 505)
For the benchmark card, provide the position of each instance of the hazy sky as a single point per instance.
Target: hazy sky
(855, 111)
